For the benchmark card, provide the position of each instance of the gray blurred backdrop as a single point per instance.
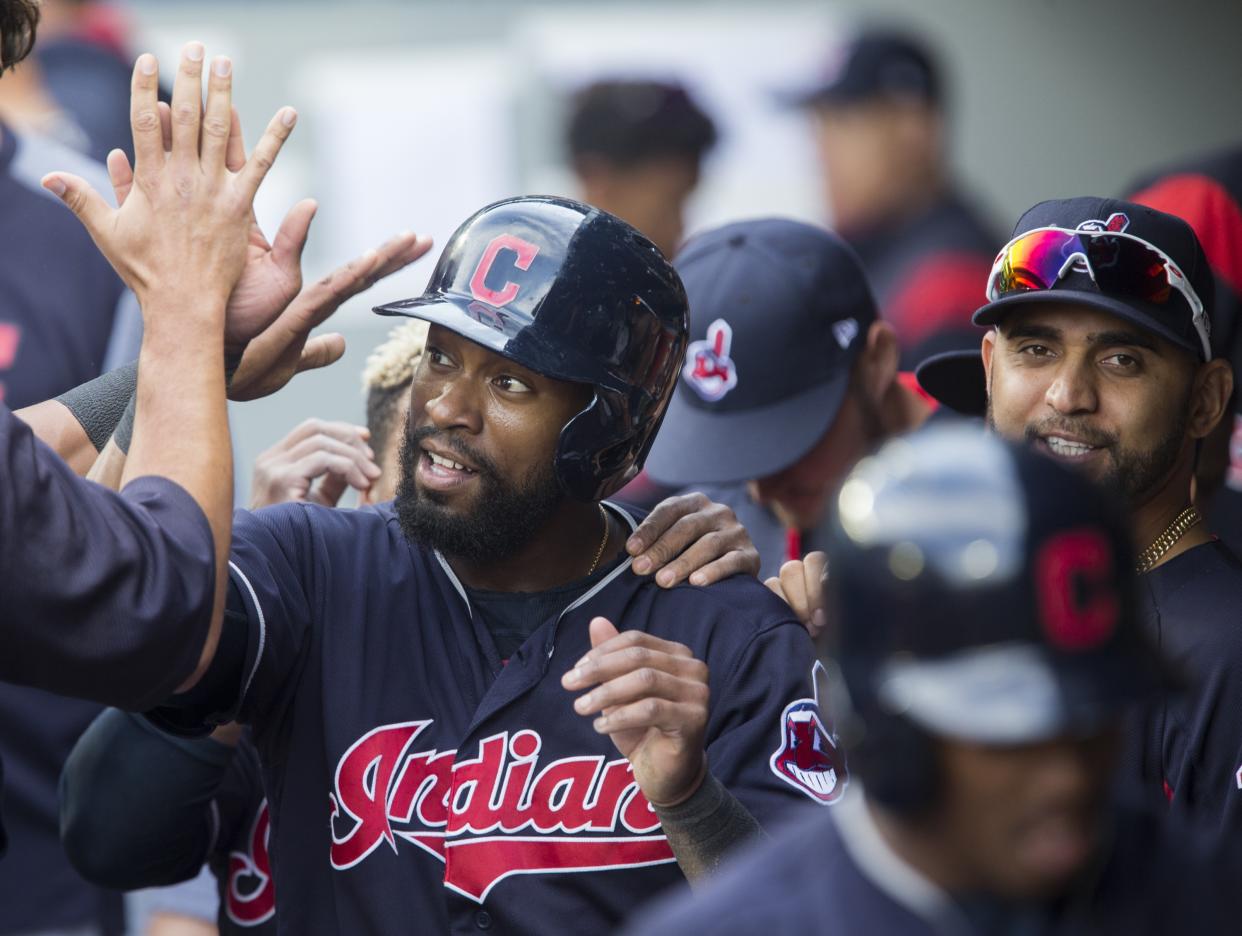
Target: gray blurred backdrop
(414, 114)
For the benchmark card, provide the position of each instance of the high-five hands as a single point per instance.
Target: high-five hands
(146, 238)
(651, 698)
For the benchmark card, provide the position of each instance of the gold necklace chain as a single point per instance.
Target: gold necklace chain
(602, 543)
(1164, 542)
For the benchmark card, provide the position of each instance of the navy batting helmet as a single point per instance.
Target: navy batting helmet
(981, 592)
(576, 294)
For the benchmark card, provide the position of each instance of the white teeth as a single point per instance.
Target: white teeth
(445, 462)
(1067, 448)
(821, 781)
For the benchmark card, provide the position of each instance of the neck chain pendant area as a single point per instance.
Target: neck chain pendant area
(602, 543)
(1165, 541)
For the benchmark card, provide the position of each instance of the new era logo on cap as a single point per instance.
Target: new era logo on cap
(709, 370)
(845, 331)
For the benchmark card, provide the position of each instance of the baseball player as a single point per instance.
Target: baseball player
(495, 751)
(1100, 354)
(988, 641)
(141, 808)
(790, 378)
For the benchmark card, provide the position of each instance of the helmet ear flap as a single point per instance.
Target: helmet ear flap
(598, 450)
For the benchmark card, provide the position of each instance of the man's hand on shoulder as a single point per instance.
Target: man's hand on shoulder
(801, 586)
(691, 537)
(651, 697)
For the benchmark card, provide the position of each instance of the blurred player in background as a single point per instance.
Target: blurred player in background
(637, 148)
(881, 125)
(789, 380)
(986, 646)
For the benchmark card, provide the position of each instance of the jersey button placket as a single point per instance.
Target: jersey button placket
(483, 920)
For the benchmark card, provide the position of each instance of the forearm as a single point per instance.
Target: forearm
(707, 827)
(181, 427)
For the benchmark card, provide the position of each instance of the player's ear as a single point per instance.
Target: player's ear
(986, 349)
(1209, 397)
(878, 360)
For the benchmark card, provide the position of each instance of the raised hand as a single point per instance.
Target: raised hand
(284, 348)
(690, 536)
(316, 463)
(651, 697)
(146, 238)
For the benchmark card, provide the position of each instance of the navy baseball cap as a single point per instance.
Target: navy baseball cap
(778, 312)
(1172, 320)
(985, 592)
(875, 63)
(956, 379)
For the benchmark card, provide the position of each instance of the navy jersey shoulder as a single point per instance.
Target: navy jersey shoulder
(462, 789)
(1192, 744)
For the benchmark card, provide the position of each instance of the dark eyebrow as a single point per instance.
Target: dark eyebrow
(1133, 339)
(1031, 330)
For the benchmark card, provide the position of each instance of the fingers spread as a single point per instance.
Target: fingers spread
(81, 199)
(120, 175)
(291, 236)
(165, 124)
(187, 104)
(321, 351)
(264, 155)
(144, 115)
(217, 118)
(235, 152)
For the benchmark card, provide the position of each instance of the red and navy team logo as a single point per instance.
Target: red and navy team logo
(489, 283)
(489, 817)
(809, 758)
(251, 898)
(1117, 222)
(709, 370)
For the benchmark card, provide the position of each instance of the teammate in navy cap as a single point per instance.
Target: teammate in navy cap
(1101, 354)
(987, 642)
(788, 380)
(453, 729)
(878, 110)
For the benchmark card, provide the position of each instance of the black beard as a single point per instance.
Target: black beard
(505, 517)
(1133, 474)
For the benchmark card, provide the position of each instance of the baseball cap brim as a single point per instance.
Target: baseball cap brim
(1147, 319)
(1007, 694)
(698, 446)
(957, 380)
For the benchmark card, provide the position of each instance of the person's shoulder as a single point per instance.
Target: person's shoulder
(775, 886)
(302, 525)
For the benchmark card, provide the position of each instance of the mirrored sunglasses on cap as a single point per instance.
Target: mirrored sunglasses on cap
(1120, 264)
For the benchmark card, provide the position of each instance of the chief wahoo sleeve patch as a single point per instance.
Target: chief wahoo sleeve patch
(809, 757)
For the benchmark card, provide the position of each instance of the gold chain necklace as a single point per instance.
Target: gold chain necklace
(602, 543)
(1164, 542)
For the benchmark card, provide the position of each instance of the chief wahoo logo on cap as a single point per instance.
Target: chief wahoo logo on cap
(709, 369)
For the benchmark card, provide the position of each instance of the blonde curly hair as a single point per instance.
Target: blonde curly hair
(392, 363)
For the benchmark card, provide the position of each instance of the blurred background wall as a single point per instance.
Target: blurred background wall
(415, 113)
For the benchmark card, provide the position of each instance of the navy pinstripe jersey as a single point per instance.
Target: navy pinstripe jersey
(414, 780)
